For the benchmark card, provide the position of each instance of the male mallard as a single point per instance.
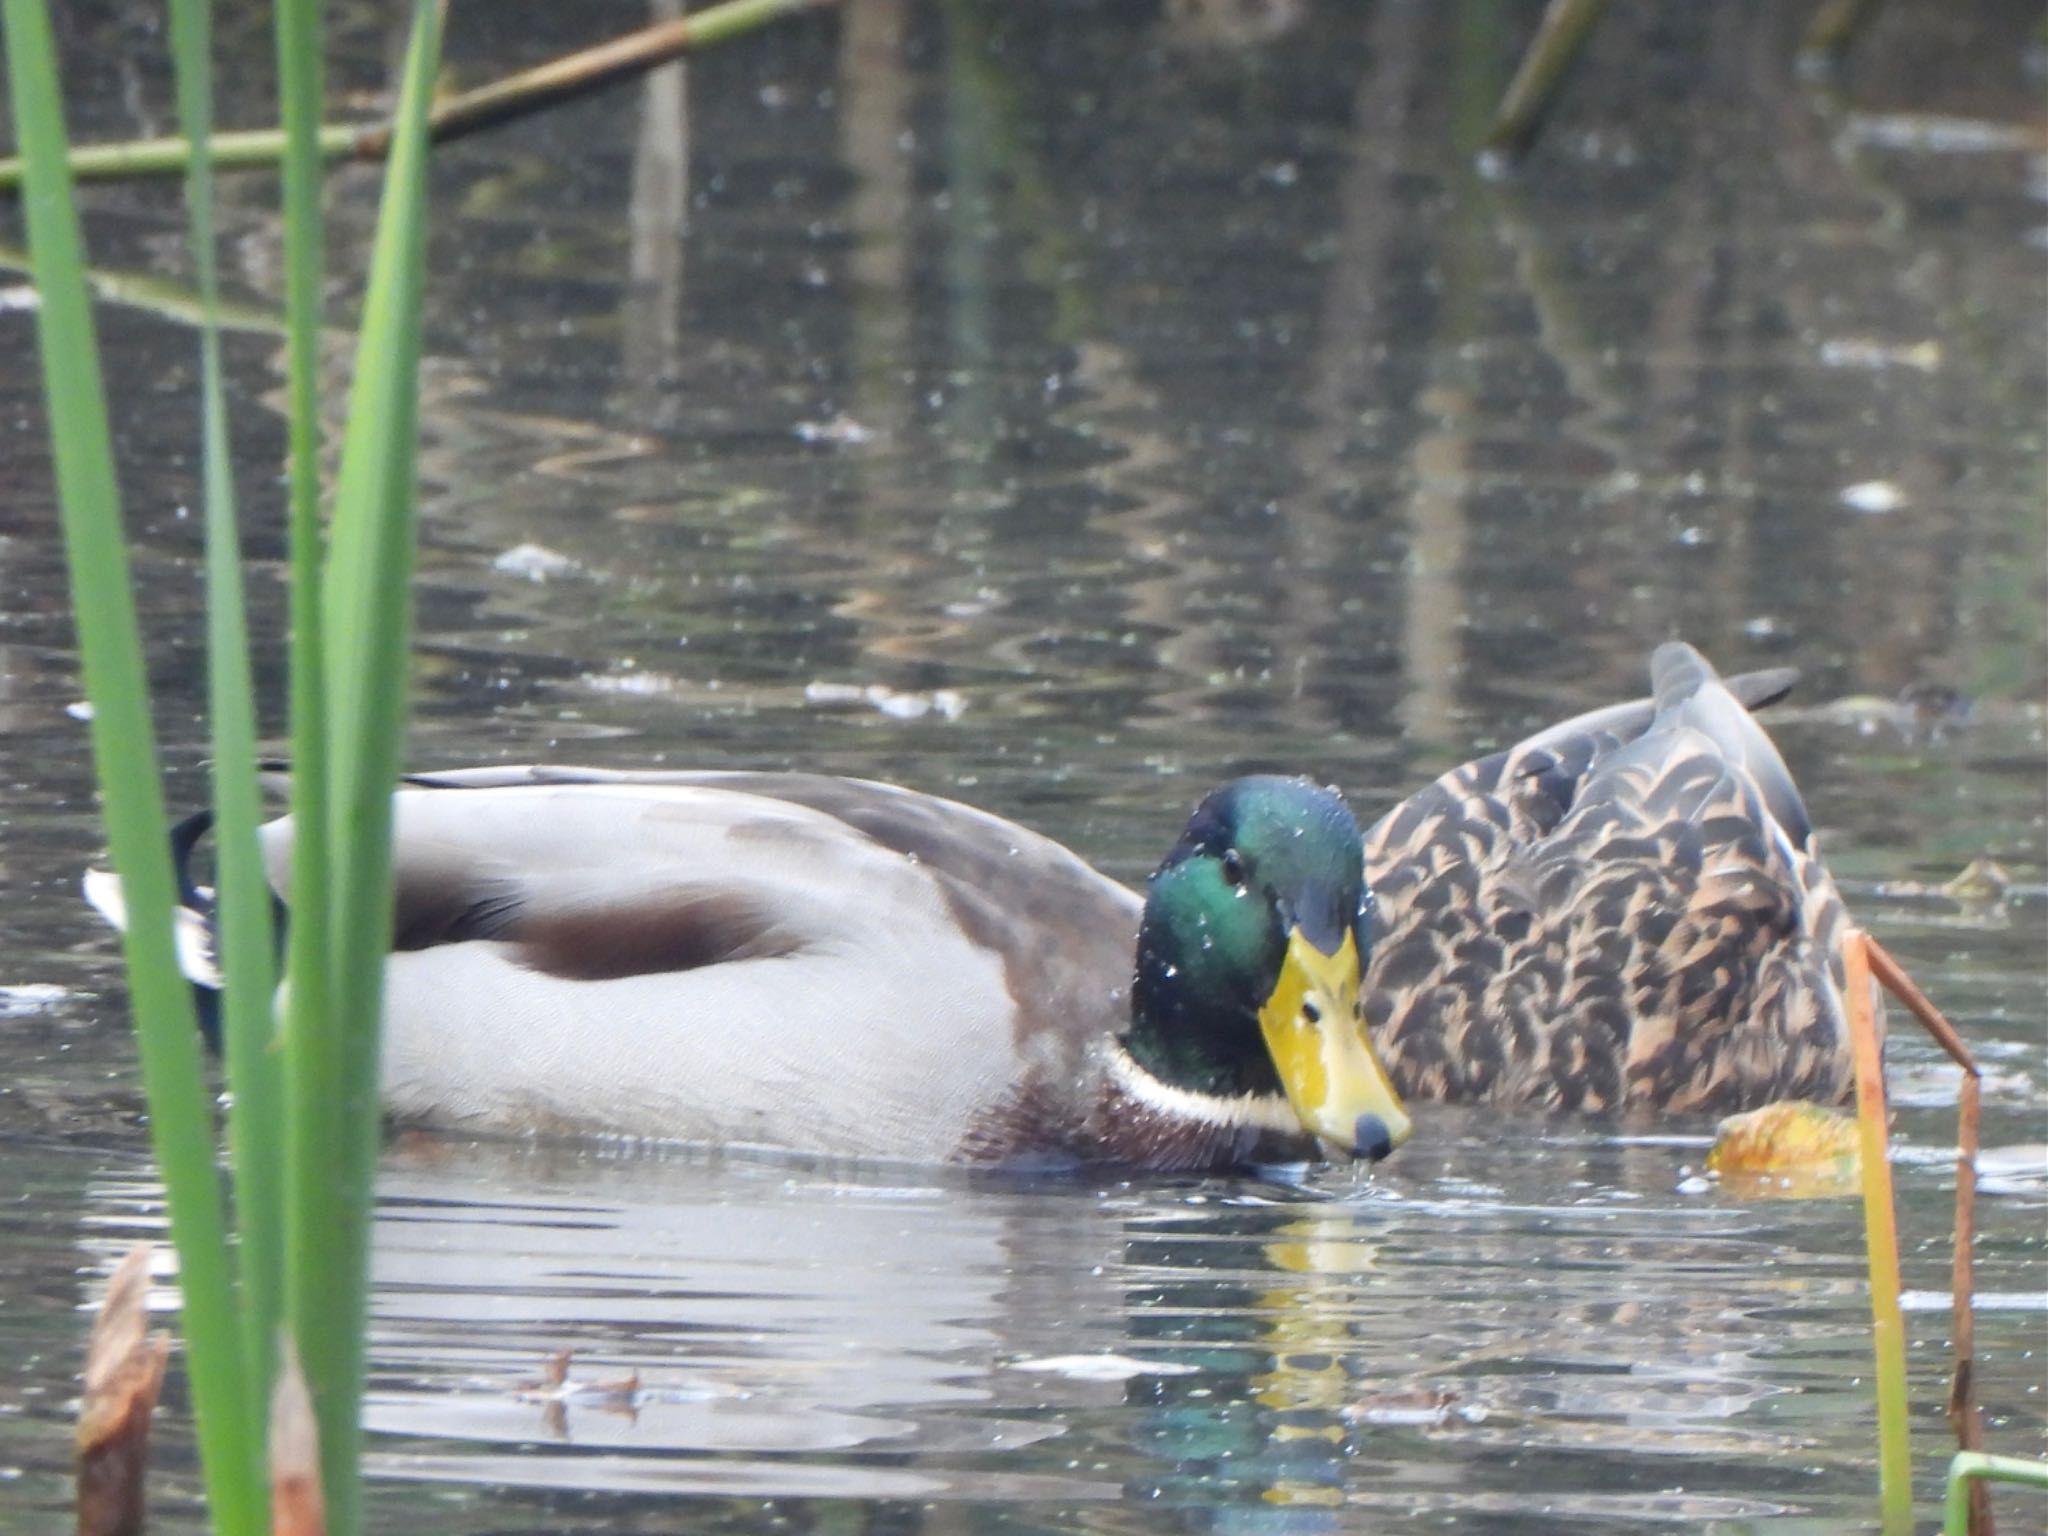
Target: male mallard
(843, 967)
(1624, 911)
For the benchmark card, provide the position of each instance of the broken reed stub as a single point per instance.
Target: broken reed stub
(124, 1371)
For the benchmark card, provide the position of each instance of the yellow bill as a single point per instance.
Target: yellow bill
(1333, 1079)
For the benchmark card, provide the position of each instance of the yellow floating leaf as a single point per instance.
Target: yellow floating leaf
(1982, 882)
(1790, 1149)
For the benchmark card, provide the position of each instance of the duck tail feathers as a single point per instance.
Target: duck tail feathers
(192, 930)
(1758, 690)
(1689, 693)
(1677, 674)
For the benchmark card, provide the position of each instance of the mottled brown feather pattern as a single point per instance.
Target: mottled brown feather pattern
(1611, 919)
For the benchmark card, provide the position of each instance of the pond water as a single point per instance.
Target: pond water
(1066, 407)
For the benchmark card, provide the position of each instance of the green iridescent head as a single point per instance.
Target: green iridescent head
(1255, 932)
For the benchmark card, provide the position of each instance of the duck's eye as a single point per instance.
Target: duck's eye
(1233, 867)
(1311, 1011)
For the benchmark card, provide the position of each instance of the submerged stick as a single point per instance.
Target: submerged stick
(1895, 980)
(164, 297)
(1881, 1246)
(124, 1368)
(529, 91)
(593, 69)
(1963, 1414)
(1559, 36)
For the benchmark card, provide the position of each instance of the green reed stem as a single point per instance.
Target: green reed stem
(1969, 1467)
(310, 998)
(366, 612)
(472, 111)
(250, 149)
(1881, 1245)
(124, 750)
(256, 1126)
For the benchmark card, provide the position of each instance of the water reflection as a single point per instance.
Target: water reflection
(657, 214)
(766, 1314)
(1494, 1324)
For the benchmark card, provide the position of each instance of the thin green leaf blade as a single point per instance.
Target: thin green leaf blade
(300, 100)
(124, 749)
(367, 629)
(256, 1125)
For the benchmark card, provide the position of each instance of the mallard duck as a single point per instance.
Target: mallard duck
(1624, 911)
(848, 968)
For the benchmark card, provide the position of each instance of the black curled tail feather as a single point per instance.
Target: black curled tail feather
(198, 921)
(201, 914)
(185, 839)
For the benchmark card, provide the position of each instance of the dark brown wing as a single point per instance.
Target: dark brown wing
(1625, 911)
